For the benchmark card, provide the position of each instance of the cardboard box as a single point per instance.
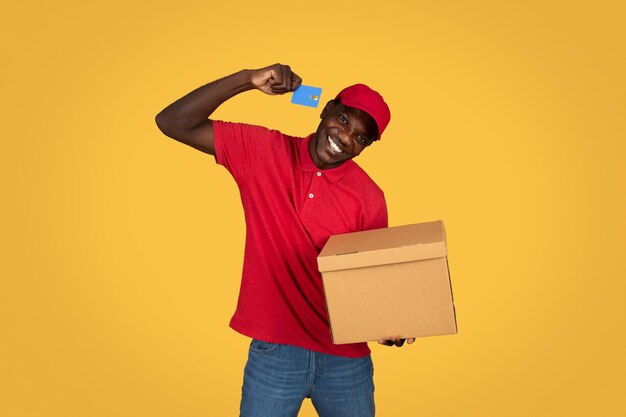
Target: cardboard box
(391, 282)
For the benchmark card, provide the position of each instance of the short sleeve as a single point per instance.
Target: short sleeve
(380, 218)
(238, 146)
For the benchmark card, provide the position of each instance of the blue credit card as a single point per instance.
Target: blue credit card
(307, 96)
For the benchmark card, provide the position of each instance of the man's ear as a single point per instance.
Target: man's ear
(328, 107)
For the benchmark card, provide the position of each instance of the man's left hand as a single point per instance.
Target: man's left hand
(396, 342)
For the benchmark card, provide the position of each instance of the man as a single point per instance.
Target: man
(296, 193)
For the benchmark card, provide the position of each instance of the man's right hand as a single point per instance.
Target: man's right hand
(275, 79)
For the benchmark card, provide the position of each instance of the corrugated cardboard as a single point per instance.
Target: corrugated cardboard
(385, 283)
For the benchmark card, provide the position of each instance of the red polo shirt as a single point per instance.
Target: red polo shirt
(291, 209)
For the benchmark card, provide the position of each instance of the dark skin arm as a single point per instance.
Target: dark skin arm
(187, 119)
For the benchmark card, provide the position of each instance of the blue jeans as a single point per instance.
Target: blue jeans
(277, 378)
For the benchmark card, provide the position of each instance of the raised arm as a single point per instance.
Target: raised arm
(187, 119)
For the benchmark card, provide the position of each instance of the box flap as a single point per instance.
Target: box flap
(383, 246)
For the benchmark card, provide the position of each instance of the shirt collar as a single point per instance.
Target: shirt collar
(307, 164)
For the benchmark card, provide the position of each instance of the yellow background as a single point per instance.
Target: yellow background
(121, 249)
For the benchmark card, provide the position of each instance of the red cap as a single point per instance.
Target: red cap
(364, 98)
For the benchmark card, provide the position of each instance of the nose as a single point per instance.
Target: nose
(348, 135)
(344, 137)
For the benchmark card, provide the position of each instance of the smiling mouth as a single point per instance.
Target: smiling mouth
(334, 146)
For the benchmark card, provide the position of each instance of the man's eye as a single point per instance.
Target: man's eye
(363, 140)
(342, 118)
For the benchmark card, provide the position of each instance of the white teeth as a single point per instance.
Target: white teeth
(333, 145)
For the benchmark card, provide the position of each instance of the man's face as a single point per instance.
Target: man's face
(342, 134)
